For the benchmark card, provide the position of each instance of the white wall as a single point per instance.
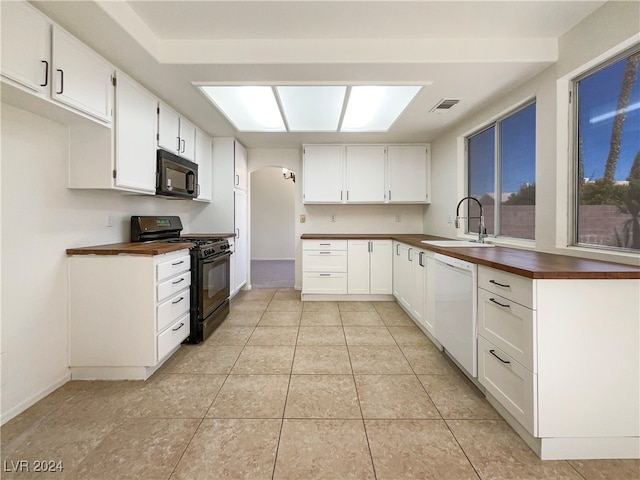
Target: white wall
(272, 215)
(41, 218)
(612, 24)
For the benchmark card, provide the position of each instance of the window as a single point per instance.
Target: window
(501, 165)
(607, 151)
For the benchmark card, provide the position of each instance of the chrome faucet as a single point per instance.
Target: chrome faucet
(482, 231)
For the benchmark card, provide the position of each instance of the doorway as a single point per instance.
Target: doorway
(272, 229)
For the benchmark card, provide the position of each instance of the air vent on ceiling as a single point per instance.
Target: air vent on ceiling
(444, 105)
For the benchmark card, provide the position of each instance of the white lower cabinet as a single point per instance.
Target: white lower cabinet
(324, 267)
(127, 313)
(370, 267)
(402, 273)
(559, 365)
(513, 385)
(413, 283)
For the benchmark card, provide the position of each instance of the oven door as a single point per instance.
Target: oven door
(215, 286)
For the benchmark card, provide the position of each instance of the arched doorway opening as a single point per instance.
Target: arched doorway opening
(272, 229)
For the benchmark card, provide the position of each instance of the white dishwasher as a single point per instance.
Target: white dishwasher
(456, 325)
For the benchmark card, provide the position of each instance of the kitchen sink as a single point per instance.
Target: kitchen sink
(455, 243)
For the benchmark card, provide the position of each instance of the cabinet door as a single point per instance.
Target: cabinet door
(135, 123)
(381, 267)
(240, 251)
(168, 129)
(81, 79)
(402, 274)
(408, 174)
(358, 266)
(241, 170)
(418, 286)
(365, 174)
(26, 46)
(204, 161)
(322, 174)
(429, 299)
(187, 139)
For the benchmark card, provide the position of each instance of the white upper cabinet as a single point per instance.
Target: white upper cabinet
(408, 170)
(187, 139)
(26, 46)
(135, 148)
(323, 173)
(175, 133)
(241, 170)
(43, 59)
(365, 173)
(122, 157)
(205, 162)
(81, 79)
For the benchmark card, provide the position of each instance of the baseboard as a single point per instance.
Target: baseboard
(22, 406)
(322, 297)
(273, 259)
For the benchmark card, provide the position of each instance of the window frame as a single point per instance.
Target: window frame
(574, 181)
(496, 123)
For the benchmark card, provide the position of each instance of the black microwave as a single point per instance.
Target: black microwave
(176, 176)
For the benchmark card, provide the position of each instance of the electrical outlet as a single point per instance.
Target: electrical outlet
(332, 218)
(109, 220)
(303, 218)
(449, 218)
(398, 217)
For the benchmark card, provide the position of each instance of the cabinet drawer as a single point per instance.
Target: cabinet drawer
(514, 287)
(325, 283)
(173, 285)
(171, 309)
(509, 326)
(324, 261)
(173, 267)
(173, 336)
(324, 244)
(509, 382)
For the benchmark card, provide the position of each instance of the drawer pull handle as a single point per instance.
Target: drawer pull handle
(493, 352)
(498, 303)
(325, 274)
(325, 253)
(499, 284)
(177, 263)
(325, 244)
(178, 281)
(177, 301)
(178, 327)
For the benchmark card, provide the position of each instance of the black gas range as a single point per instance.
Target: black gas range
(210, 270)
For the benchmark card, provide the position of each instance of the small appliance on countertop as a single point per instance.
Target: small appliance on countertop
(210, 270)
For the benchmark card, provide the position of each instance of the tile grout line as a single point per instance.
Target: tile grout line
(210, 405)
(286, 398)
(353, 376)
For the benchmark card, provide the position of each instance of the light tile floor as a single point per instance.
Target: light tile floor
(288, 390)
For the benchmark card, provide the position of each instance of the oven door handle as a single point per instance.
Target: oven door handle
(215, 259)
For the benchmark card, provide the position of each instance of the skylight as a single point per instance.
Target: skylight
(334, 108)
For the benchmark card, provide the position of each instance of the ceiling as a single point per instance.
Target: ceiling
(468, 50)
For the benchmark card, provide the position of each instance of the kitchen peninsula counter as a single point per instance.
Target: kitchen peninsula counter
(131, 248)
(526, 263)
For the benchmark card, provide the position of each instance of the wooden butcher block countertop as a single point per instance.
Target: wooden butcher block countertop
(131, 248)
(526, 263)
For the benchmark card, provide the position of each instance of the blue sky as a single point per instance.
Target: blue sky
(598, 98)
(518, 146)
